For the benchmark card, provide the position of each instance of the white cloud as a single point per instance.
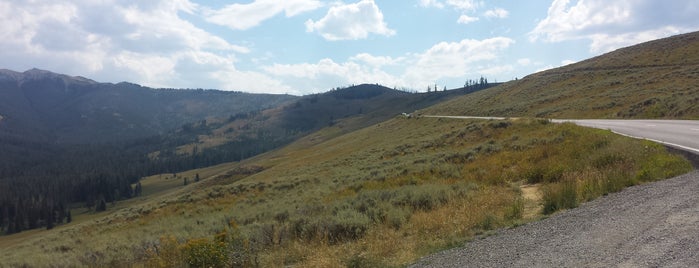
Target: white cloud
(431, 3)
(145, 42)
(524, 61)
(351, 22)
(443, 61)
(462, 5)
(613, 24)
(457, 59)
(326, 73)
(465, 19)
(376, 61)
(607, 42)
(567, 62)
(497, 13)
(465, 5)
(246, 16)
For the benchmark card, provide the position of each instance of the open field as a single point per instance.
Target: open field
(381, 196)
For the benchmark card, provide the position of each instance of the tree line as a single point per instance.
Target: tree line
(41, 182)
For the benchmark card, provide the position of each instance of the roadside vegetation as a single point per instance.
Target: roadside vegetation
(382, 196)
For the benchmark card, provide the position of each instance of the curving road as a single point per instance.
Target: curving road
(650, 225)
(682, 134)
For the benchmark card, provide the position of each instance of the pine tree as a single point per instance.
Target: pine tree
(101, 205)
(137, 189)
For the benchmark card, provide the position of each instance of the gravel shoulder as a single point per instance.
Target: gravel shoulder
(650, 225)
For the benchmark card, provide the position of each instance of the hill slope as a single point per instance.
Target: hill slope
(380, 196)
(657, 79)
(69, 140)
(350, 108)
(66, 109)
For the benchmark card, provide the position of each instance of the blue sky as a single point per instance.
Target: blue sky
(308, 46)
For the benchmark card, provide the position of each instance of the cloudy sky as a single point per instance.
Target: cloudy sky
(308, 46)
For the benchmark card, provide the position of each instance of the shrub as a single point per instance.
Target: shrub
(515, 210)
(166, 253)
(539, 174)
(488, 222)
(495, 124)
(358, 261)
(205, 253)
(423, 197)
(397, 216)
(607, 160)
(560, 195)
(346, 225)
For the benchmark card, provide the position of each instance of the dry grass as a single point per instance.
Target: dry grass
(658, 79)
(381, 196)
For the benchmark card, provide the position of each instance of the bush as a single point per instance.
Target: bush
(397, 216)
(560, 195)
(515, 210)
(205, 253)
(489, 222)
(539, 174)
(423, 197)
(346, 225)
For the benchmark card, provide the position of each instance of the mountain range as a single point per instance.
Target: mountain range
(88, 142)
(64, 109)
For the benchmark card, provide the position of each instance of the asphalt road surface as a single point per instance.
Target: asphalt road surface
(650, 225)
(682, 134)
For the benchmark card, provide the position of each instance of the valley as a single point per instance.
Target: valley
(341, 178)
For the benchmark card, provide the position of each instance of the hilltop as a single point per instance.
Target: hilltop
(656, 79)
(42, 105)
(356, 193)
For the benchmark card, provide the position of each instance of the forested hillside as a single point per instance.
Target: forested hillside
(72, 142)
(68, 140)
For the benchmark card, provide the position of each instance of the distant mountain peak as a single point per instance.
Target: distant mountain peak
(364, 91)
(35, 74)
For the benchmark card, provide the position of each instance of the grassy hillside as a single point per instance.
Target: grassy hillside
(381, 196)
(384, 195)
(657, 79)
(350, 108)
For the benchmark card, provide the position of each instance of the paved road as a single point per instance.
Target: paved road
(650, 225)
(682, 134)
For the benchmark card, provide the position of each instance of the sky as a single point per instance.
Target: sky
(309, 46)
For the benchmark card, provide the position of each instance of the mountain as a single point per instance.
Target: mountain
(70, 140)
(64, 109)
(67, 139)
(656, 79)
(348, 109)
